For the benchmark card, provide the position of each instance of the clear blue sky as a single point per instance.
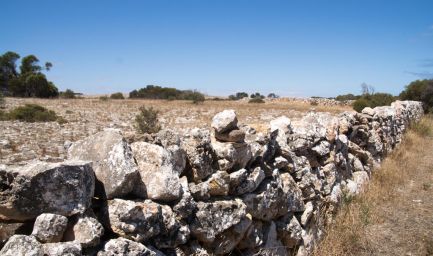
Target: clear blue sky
(292, 48)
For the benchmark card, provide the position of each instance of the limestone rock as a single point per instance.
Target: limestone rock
(199, 152)
(231, 136)
(122, 246)
(215, 217)
(173, 232)
(187, 205)
(157, 169)
(289, 231)
(112, 161)
(60, 249)
(282, 123)
(63, 188)
(135, 220)
(232, 155)
(87, 231)
(275, 197)
(22, 245)
(49, 228)
(225, 121)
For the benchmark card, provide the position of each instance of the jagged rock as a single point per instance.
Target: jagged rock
(135, 220)
(199, 152)
(322, 149)
(281, 163)
(192, 248)
(272, 246)
(282, 123)
(225, 121)
(253, 237)
(49, 228)
(64, 188)
(60, 249)
(87, 231)
(226, 241)
(112, 161)
(357, 165)
(173, 232)
(275, 197)
(241, 182)
(187, 205)
(22, 245)
(308, 212)
(289, 231)
(157, 168)
(122, 246)
(215, 217)
(167, 137)
(232, 155)
(231, 136)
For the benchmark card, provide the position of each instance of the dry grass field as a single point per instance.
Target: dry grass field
(395, 215)
(20, 141)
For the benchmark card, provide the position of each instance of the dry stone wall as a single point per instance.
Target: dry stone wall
(226, 191)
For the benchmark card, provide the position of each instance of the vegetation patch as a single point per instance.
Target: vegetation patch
(256, 100)
(166, 93)
(31, 113)
(117, 96)
(147, 120)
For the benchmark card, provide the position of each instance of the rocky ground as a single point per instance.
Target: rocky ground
(21, 142)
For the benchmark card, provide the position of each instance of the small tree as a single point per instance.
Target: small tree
(68, 94)
(147, 120)
(197, 97)
(117, 96)
(273, 96)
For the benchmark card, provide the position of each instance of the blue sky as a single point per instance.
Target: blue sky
(292, 48)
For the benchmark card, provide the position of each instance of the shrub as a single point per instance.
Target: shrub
(197, 97)
(147, 120)
(346, 97)
(32, 113)
(238, 96)
(103, 98)
(420, 90)
(256, 100)
(373, 100)
(314, 102)
(360, 104)
(273, 96)
(117, 96)
(164, 93)
(257, 96)
(68, 94)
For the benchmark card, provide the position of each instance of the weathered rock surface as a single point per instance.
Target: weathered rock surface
(22, 245)
(49, 228)
(231, 136)
(112, 161)
(60, 249)
(159, 170)
(135, 220)
(215, 217)
(61, 188)
(87, 231)
(282, 123)
(225, 121)
(122, 246)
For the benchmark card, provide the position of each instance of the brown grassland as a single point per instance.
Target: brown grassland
(395, 215)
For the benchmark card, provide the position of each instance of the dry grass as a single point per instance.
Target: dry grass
(395, 215)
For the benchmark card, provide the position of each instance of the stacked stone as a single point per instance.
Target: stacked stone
(198, 194)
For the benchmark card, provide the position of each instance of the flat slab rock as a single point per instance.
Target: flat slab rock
(39, 187)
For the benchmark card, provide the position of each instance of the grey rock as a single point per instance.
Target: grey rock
(241, 183)
(87, 231)
(187, 205)
(112, 161)
(282, 123)
(199, 152)
(225, 121)
(49, 228)
(60, 249)
(232, 155)
(173, 232)
(122, 246)
(231, 136)
(306, 215)
(64, 188)
(215, 217)
(159, 170)
(22, 245)
(275, 197)
(135, 220)
(289, 231)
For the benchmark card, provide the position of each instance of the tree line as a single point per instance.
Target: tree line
(27, 80)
